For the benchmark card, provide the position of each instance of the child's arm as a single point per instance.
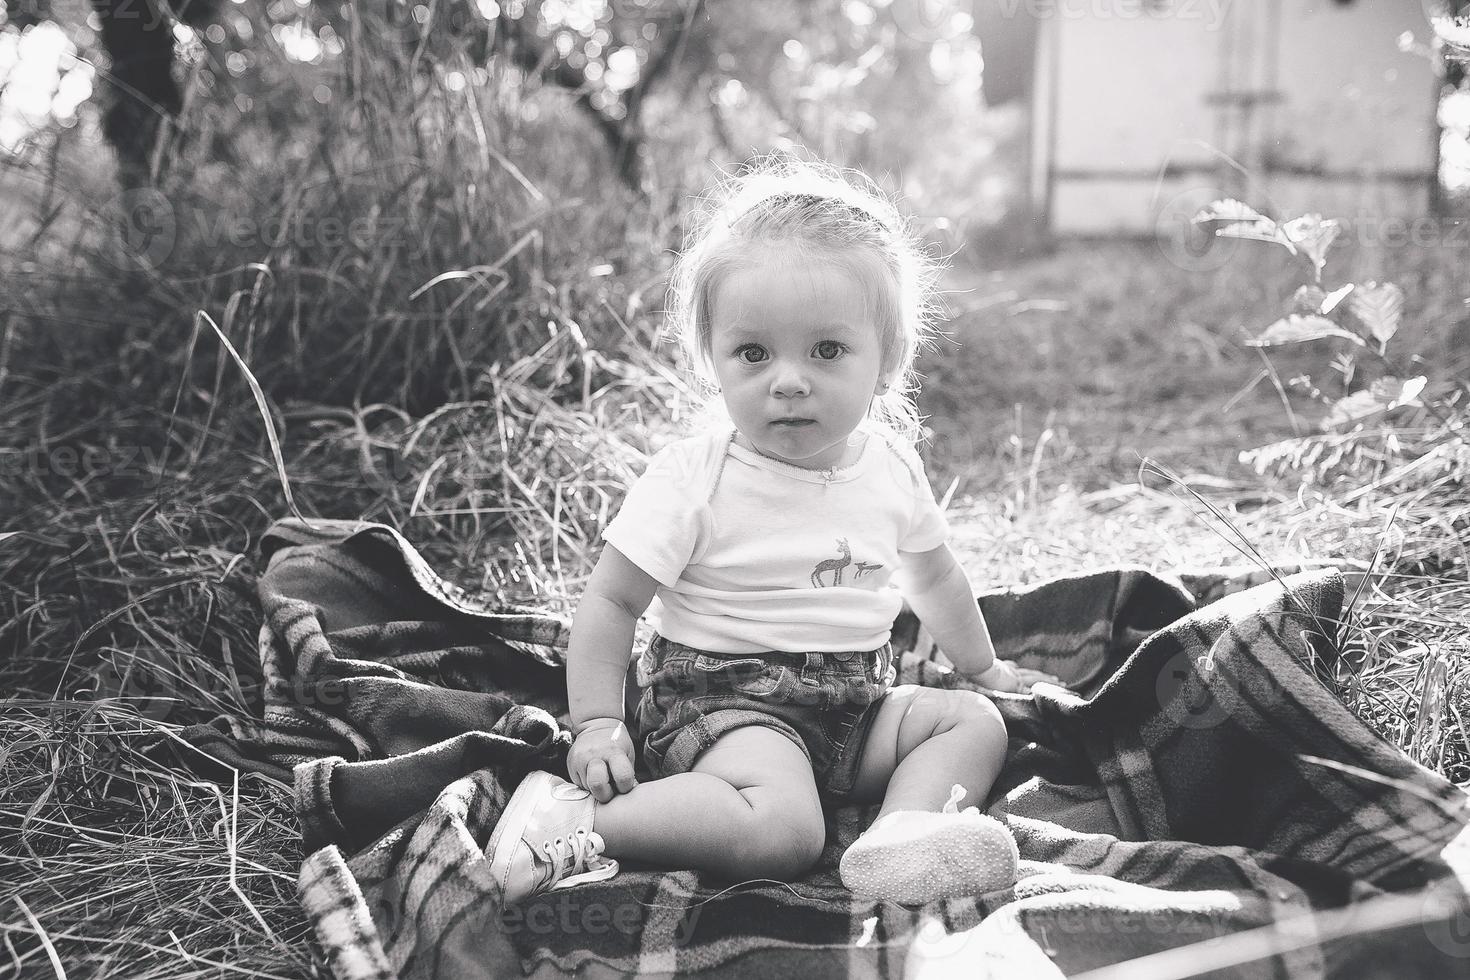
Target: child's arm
(617, 593)
(939, 592)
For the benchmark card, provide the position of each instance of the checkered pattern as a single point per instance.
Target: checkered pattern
(1176, 797)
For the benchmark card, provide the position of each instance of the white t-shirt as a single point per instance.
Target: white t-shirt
(753, 554)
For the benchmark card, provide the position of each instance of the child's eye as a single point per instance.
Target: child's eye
(751, 353)
(829, 350)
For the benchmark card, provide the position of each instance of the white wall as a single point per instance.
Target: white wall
(1123, 94)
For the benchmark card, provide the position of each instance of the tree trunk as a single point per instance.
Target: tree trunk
(143, 97)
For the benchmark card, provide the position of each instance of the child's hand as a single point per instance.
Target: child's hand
(1007, 677)
(601, 760)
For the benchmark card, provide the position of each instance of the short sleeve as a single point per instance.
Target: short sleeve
(661, 524)
(928, 528)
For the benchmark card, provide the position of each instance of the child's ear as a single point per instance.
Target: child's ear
(888, 373)
(886, 377)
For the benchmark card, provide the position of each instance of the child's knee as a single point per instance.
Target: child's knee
(982, 709)
(978, 714)
(783, 844)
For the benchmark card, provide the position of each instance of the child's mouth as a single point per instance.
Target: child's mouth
(794, 422)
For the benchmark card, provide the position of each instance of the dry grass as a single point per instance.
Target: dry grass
(1404, 668)
(121, 867)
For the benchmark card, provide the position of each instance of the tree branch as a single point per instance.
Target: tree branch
(624, 137)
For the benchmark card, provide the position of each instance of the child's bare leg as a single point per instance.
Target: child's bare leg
(748, 809)
(923, 741)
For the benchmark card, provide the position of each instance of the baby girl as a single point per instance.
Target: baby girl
(776, 549)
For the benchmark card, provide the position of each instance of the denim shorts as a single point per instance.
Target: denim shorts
(824, 702)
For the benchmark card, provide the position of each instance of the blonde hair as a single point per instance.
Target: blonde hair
(825, 214)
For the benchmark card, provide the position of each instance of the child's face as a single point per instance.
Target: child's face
(797, 356)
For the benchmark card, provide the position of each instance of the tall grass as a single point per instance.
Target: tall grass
(455, 334)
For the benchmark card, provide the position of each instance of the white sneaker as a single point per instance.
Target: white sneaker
(544, 840)
(916, 856)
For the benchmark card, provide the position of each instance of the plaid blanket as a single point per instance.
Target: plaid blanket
(1198, 781)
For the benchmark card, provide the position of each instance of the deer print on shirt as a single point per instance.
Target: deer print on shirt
(833, 565)
(862, 568)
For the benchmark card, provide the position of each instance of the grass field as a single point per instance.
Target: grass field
(1122, 354)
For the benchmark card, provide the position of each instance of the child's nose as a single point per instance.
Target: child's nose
(789, 382)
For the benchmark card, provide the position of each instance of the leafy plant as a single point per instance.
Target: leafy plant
(1366, 315)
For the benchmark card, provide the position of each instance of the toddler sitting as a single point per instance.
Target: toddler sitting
(776, 550)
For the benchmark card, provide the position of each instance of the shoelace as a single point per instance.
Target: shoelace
(952, 805)
(582, 849)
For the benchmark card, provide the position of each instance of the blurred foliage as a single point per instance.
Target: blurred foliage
(377, 200)
(893, 88)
